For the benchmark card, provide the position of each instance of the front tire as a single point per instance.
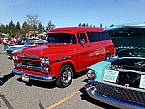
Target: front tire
(65, 76)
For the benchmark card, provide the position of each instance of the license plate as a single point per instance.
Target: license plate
(25, 78)
(110, 76)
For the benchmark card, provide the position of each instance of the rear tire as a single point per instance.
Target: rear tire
(65, 76)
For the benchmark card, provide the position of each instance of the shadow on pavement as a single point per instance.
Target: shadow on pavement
(40, 105)
(85, 96)
(49, 85)
(80, 74)
(5, 78)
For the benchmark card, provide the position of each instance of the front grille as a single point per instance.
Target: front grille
(31, 63)
(122, 93)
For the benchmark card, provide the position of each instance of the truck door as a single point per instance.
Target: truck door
(84, 50)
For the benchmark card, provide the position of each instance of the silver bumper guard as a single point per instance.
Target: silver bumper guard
(34, 76)
(90, 89)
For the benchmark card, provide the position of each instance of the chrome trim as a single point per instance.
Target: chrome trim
(35, 76)
(31, 67)
(63, 58)
(29, 56)
(91, 90)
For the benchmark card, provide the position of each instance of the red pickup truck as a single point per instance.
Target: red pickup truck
(69, 51)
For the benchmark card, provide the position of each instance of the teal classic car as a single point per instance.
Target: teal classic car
(120, 81)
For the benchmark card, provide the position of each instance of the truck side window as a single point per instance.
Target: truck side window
(82, 37)
(98, 36)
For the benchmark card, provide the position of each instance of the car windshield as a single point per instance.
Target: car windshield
(129, 41)
(31, 42)
(61, 38)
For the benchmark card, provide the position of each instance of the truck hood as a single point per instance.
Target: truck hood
(48, 49)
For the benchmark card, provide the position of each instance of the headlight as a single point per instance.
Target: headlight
(15, 58)
(44, 60)
(91, 74)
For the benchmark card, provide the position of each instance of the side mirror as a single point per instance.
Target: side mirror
(82, 41)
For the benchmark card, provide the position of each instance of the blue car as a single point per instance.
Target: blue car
(119, 82)
(18, 48)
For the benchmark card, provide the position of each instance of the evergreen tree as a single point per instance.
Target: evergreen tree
(12, 28)
(18, 27)
(40, 28)
(91, 25)
(50, 26)
(101, 25)
(80, 25)
(25, 27)
(87, 25)
(2, 28)
(83, 24)
(6, 29)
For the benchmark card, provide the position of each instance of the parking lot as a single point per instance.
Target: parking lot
(16, 94)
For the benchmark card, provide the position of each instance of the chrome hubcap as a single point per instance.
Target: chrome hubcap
(67, 75)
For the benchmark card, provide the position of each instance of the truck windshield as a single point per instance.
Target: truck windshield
(61, 38)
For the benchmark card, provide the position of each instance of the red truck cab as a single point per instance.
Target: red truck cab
(69, 51)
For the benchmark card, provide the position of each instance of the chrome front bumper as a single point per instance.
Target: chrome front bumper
(35, 76)
(91, 90)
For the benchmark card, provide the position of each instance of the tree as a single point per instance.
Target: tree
(50, 26)
(2, 28)
(80, 25)
(6, 29)
(33, 21)
(25, 27)
(12, 28)
(40, 28)
(87, 25)
(101, 25)
(18, 27)
(83, 24)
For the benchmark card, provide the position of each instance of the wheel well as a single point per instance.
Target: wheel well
(107, 54)
(73, 68)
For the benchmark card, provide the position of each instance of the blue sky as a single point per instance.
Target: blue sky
(64, 13)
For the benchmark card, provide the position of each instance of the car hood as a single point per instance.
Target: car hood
(48, 49)
(14, 48)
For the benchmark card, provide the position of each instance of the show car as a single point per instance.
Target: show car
(69, 51)
(12, 50)
(120, 80)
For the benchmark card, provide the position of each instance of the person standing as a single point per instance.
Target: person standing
(5, 43)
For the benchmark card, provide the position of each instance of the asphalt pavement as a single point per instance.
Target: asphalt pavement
(16, 94)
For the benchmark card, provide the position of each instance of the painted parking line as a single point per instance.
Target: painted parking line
(7, 103)
(62, 100)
